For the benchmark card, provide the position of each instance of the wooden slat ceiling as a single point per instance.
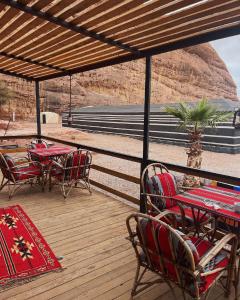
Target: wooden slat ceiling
(42, 39)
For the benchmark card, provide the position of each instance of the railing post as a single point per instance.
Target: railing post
(37, 94)
(143, 205)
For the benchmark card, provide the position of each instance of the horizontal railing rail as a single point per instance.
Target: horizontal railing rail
(116, 174)
(18, 137)
(174, 167)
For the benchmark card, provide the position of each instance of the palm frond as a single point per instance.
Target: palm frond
(203, 114)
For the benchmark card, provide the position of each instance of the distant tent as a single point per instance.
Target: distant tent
(48, 117)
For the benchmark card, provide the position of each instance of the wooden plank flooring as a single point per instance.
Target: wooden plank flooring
(89, 232)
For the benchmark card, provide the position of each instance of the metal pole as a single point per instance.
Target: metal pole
(143, 205)
(70, 119)
(38, 108)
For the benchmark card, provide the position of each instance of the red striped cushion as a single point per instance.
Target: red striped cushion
(27, 172)
(162, 184)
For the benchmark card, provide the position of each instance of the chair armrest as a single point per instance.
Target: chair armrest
(19, 166)
(217, 270)
(159, 211)
(17, 169)
(166, 214)
(55, 165)
(22, 158)
(216, 249)
(157, 196)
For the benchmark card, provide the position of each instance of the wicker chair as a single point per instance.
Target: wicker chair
(16, 174)
(72, 171)
(38, 144)
(191, 263)
(159, 187)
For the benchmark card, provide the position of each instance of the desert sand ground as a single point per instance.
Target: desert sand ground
(217, 162)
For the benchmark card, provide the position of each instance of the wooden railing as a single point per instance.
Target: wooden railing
(135, 180)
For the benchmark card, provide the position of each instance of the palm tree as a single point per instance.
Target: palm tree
(194, 120)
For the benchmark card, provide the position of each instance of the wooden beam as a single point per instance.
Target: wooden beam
(191, 41)
(30, 61)
(16, 75)
(68, 25)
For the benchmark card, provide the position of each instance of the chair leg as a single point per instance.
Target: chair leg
(183, 294)
(12, 191)
(3, 184)
(69, 189)
(63, 191)
(89, 186)
(236, 277)
(50, 183)
(135, 283)
(207, 294)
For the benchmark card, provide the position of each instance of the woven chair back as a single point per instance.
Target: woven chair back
(157, 180)
(5, 165)
(77, 164)
(38, 144)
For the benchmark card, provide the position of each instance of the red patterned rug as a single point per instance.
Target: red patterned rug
(24, 253)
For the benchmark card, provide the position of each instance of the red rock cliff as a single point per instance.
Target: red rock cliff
(183, 75)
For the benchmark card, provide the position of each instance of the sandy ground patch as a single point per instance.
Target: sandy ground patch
(217, 162)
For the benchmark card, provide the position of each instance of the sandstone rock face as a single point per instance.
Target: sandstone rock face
(183, 75)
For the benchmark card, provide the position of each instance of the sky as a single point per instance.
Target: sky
(229, 50)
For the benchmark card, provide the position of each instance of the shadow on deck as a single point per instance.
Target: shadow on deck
(89, 232)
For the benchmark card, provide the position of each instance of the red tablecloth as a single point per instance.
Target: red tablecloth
(45, 153)
(205, 197)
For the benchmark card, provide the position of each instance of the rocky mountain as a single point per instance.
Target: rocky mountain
(183, 75)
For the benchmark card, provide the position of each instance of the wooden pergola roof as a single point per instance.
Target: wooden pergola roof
(44, 39)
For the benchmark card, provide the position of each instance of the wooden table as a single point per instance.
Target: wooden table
(51, 152)
(219, 202)
(215, 200)
(46, 155)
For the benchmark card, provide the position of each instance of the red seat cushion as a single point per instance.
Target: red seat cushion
(162, 184)
(168, 242)
(27, 172)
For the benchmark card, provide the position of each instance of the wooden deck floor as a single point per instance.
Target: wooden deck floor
(89, 232)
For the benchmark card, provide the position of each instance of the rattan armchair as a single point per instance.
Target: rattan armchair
(71, 171)
(38, 144)
(15, 173)
(159, 187)
(191, 263)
